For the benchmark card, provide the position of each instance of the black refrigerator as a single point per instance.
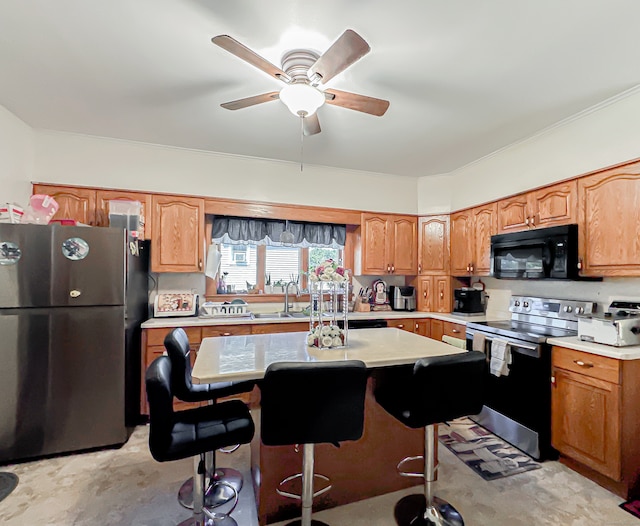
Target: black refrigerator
(62, 343)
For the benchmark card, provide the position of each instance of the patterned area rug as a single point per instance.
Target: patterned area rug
(8, 482)
(486, 454)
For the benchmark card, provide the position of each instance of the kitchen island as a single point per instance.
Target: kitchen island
(358, 470)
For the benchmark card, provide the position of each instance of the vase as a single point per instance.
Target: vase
(328, 325)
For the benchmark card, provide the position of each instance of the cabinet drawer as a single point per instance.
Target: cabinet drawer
(271, 328)
(156, 336)
(404, 324)
(455, 330)
(592, 365)
(225, 330)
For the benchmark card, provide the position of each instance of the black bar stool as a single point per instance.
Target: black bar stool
(434, 390)
(192, 433)
(177, 345)
(312, 403)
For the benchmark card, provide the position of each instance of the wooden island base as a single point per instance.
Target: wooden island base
(357, 470)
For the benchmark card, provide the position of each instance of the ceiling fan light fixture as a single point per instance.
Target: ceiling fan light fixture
(301, 99)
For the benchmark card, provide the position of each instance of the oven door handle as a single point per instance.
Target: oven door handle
(522, 348)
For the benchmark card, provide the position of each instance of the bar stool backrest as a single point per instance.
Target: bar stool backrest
(177, 345)
(312, 403)
(160, 397)
(447, 387)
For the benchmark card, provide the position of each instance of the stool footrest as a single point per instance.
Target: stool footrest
(221, 516)
(400, 467)
(296, 496)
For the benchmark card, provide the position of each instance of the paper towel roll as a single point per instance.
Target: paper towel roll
(213, 261)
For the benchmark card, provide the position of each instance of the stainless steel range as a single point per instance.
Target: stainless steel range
(518, 404)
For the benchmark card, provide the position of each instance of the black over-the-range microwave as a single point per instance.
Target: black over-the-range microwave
(544, 253)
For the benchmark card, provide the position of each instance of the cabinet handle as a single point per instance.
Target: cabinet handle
(419, 268)
(416, 326)
(401, 326)
(580, 264)
(200, 264)
(393, 269)
(225, 334)
(455, 331)
(586, 365)
(553, 380)
(468, 268)
(424, 294)
(533, 220)
(441, 295)
(526, 221)
(471, 267)
(388, 268)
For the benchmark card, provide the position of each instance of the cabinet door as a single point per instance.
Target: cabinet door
(404, 324)
(441, 294)
(462, 242)
(554, 205)
(608, 221)
(455, 330)
(74, 203)
(375, 245)
(423, 327)
(485, 223)
(404, 255)
(102, 208)
(433, 245)
(585, 421)
(178, 234)
(437, 329)
(425, 294)
(513, 214)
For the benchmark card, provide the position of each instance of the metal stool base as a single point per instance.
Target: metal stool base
(218, 495)
(410, 511)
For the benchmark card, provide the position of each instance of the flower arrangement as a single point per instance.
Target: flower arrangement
(326, 336)
(329, 270)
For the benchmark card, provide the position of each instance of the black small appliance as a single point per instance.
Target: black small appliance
(469, 301)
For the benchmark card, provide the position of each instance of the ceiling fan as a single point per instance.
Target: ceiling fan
(303, 73)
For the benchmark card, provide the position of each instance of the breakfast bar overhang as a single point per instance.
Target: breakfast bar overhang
(358, 470)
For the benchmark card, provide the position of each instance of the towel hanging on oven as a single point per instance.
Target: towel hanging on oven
(500, 358)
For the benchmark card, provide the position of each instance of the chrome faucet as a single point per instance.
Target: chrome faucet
(286, 294)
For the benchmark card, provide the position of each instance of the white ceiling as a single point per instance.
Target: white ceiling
(464, 77)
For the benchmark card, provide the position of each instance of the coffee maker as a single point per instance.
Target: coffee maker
(402, 298)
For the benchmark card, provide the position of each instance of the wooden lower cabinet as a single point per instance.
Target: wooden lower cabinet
(596, 417)
(437, 329)
(406, 324)
(455, 330)
(423, 327)
(434, 293)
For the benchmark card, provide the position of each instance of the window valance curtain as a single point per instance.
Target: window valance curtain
(246, 230)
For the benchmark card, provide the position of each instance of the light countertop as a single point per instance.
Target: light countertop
(235, 358)
(620, 353)
(193, 321)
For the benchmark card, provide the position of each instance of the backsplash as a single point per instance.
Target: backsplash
(601, 292)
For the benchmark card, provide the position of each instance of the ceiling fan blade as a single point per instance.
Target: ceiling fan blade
(311, 124)
(342, 53)
(241, 51)
(251, 101)
(356, 102)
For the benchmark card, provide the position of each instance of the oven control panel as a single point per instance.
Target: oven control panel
(551, 308)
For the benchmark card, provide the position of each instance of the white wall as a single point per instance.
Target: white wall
(91, 161)
(601, 137)
(16, 158)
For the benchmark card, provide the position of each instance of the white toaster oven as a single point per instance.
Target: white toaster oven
(170, 304)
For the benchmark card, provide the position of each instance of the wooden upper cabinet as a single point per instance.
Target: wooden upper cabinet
(73, 203)
(471, 232)
(404, 247)
(102, 208)
(609, 219)
(485, 224)
(461, 242)
(550, 206)
(433, 245)
(389, 244)
(375, 244)
(425, 294)
(178, 234)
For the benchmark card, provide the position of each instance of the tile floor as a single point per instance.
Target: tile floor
(127, 487)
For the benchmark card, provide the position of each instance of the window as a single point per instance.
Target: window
(317, 255)
(282, 264)
(240, 262)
